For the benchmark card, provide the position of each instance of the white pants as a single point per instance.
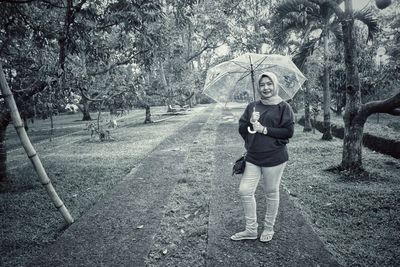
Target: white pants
(248, 184)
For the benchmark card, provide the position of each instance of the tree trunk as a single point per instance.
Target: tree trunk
(63, 40)
(26, 126)
(86, 110)
(353, 125)
(148, 115)
(5, 120)
(307, 113)
(256, 24)
(352, 147)
(51, 126)
(192, 101)
(189, 47)
(113, 110)
(169, 92)
(340, 96)
(327, 135)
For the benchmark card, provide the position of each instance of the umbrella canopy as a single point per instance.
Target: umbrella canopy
(234, 80)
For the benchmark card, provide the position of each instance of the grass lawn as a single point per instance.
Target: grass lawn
(358, 219)
(65, 124)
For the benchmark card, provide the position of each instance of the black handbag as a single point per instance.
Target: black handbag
(240, 165)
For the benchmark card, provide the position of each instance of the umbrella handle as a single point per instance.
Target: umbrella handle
(248, 127)
(250, 130)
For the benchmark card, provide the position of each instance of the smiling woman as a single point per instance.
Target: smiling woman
(266, 87)
(272, 120)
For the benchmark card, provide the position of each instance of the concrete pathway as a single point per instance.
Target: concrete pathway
(294, 243)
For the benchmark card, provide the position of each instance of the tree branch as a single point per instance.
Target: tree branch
(98, 99)
(27, 93)
(395, 112)
(198, 53)
(155, 93)
(389, 106)
(116, 64)
(88, 98)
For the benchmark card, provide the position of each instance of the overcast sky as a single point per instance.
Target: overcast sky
(359, 4)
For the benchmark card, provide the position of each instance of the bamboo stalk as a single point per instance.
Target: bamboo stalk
(30, 150)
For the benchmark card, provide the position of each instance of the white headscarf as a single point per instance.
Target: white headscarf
(275, 98)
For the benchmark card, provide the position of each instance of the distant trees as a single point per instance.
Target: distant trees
(83, 52)
(50, 49)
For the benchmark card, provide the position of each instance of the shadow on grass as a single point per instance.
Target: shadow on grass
(17, 185)
(360, 175)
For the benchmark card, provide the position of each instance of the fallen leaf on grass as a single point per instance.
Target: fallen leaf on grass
(187, 216)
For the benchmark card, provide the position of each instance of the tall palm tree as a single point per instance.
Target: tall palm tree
(321, 23)
(285, 22)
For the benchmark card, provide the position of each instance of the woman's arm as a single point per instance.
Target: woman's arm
(286, 129)
(244, 122)
(281, 133)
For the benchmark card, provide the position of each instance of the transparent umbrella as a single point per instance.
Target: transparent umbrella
(234, 80)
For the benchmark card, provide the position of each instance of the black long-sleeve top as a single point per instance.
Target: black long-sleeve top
(268, 150)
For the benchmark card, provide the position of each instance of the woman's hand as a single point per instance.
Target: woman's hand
(258, 127)
(255, 116)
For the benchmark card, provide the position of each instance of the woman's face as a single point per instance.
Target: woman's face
(266, 88)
